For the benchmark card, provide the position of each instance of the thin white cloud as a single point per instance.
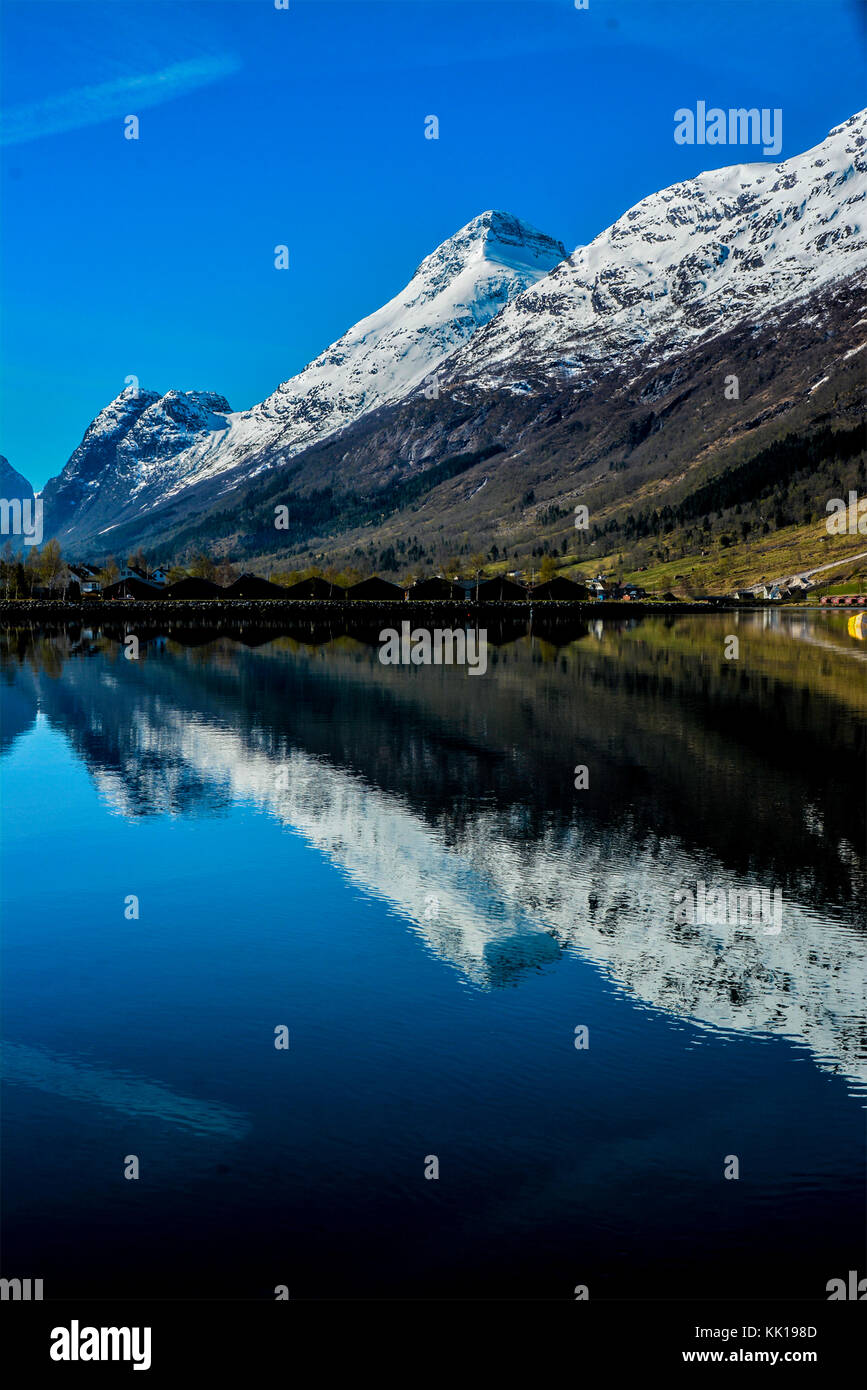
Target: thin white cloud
(104, 101)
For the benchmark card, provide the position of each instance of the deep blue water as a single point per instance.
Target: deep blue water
(395, 864)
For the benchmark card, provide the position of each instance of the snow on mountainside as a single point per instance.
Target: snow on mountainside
(693, 259)
(499, 307)
(165, 445)
(122, 448)
(457, 289)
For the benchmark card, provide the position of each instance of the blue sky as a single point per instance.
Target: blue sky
(305, 127)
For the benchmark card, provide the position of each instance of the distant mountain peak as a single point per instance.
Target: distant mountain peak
(500, 238)
(12, 483)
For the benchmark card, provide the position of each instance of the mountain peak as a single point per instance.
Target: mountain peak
(13, 483)
(498, 238)
(116, 418)
(503, 227)
(460, 286)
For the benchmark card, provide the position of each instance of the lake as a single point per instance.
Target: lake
(514, 1065)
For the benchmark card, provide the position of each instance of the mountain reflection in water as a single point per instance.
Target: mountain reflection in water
(452, 801)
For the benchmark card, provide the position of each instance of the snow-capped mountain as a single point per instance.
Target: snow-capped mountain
(690, 261)
(129, 442)
(498, 311)
(142, 449)
(457, 289)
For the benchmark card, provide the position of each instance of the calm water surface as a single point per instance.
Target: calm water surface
(395, 864)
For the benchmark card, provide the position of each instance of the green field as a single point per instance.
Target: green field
(791, 550)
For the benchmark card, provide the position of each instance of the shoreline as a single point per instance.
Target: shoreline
(364, 608)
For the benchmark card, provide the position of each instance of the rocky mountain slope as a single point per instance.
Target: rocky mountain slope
(694, 259)
(596, 378)
(126, 452)
(14, 488)
(143, 450)
(664, 462)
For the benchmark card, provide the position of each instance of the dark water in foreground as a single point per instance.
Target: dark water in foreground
(395, 864)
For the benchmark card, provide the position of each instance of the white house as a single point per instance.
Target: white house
(86, 577)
